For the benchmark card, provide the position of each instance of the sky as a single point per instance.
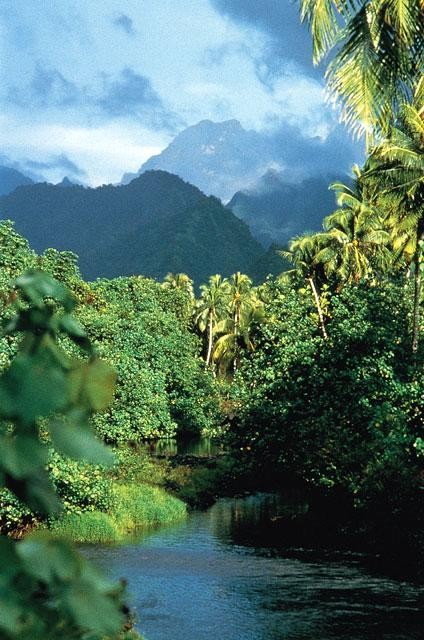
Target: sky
(91, 89)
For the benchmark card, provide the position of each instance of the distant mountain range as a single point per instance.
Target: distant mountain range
(218, 157)
(276, 211)
(10, 179)
(155, 224)
(160, 219)
(243, 168)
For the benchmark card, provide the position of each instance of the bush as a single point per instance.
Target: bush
(136, 466)
(15, 516)
(81, 486)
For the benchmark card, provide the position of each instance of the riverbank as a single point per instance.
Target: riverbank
(219, 574)
(134, 507)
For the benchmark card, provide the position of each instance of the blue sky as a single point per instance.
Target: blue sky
(91, 89)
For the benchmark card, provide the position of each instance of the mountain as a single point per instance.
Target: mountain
(269, 263)
(10, 179)
(275, 211)
(155, 224)
(218, 157)
(66, 182)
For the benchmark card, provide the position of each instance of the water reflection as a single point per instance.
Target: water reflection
(200, 447)
(208, 578)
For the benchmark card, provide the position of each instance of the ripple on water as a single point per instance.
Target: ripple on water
(198, 581)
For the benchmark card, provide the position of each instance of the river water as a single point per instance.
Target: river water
(216, 577)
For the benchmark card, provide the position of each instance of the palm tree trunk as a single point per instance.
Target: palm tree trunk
(210, 330)
(318, 305)
(417, 293)
(236, 327)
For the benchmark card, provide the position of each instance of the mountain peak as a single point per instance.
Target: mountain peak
(11, 178)
(218, 157)
(66, 182)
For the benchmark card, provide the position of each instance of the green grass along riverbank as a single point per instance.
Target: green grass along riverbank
(134, 507)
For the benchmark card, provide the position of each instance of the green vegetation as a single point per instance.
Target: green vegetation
(313, 379)
(134, 507)
(62, 595)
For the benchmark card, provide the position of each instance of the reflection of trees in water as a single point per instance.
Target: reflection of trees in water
(249, 521)
(202, 447)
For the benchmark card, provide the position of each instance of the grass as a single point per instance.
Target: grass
(94, 527)
(143, 505)
(135, 507)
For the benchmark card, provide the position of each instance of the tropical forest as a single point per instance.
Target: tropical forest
(211, 371)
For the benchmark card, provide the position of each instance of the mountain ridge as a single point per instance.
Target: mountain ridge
(155, 224)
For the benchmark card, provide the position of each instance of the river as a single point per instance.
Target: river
(216, 577)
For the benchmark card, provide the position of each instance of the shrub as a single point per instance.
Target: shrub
(14, 514)
(81, 486)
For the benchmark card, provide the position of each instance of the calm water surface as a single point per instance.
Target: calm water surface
(214, 577)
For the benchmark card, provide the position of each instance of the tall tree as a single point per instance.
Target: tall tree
(400, 168)
(302, 253)
(179, 281)
(355, 242)
(211, 307)
(236, 335)
(378, 50)
(244, 309)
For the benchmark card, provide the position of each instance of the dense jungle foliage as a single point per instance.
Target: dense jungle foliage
(314, 379)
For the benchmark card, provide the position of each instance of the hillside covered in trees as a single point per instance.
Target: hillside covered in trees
(310, 382)
(155, 224)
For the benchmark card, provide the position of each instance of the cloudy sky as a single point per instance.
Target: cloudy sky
(92, 88)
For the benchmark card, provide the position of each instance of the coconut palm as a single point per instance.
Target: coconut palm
(179, 281)
(211, 307)
(235, 333)
(355, 241)
(302, 253)
(240, 295)
(243, 311)
(400, 167)
(379, 53)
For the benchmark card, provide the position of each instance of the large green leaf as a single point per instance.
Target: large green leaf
(35, 385)
(78, 442)
(92, 384)
(47, 558)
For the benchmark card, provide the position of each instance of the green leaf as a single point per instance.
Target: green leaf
(8, 562)
(79, 443)
(10, 613)
(92, 609)
(35, 385)
(47, 558)
(22, 455)
(36, 285)
(93, 384)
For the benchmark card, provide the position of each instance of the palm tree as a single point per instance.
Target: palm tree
(355, 242)
(400, 167)
(302, 254)
(179, 281)
(243, 311)
(235, 333)
(211, 307)
(240, 296)
(379, 53)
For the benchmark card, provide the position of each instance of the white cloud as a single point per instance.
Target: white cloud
(104, 153)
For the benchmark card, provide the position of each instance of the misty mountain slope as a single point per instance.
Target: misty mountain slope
(155, 224)
(10, 179)
(276, 211)
(218, 157)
